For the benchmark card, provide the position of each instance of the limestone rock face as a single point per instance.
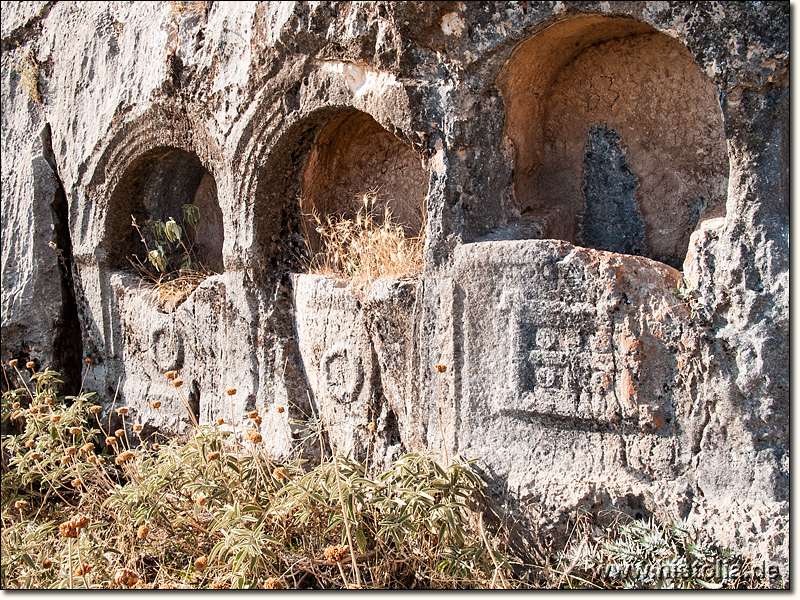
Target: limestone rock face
(563, 162)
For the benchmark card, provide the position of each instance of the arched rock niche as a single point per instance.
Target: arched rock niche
(156, 186)
(352, 155)
(618, 137)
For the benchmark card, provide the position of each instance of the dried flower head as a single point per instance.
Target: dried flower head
(76, 483)
(171, 375)
(280, 409)
(87, 447)
(155, 404)
(16, 414)
(137, 428)
(80, 520)
(220, 421)
(50, 401)
(88, 360)
(252, 414)
(119, 433)
(47, 563)
(83, 569)
(36, 456)
(253, 436)
(201, 500)
(440, 368)
(122, 410)
(119, 461)
(21, 504)
(65, 460)
(280, 473)
(71, 450)
(95, 410)
(110, 441)
(230, 391)
(142, 532)
(372, 426)
(126, 456)
(68, 530)
(258, 420)
(35, 410)
(55, 418)
(101, 460)
(92, 458)
(273, 583)
(213, 455)
(74, 430)
(336, 553)
(126, 577)
(201, 563)
(156, 446)
(13, 362)
(15, 406)
(30, 443)
(177, 383)
(30, 365)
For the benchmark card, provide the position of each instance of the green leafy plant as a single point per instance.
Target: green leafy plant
(173, 269)
(648, 555)
(685, 292)
(210, 509)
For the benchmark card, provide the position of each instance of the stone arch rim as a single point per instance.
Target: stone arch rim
(165, 125)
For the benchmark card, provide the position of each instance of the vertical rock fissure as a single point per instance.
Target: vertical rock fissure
(67, 341)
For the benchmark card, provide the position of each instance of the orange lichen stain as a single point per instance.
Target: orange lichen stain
(628, 388)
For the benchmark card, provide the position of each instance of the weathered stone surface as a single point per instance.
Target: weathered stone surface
(574, 375)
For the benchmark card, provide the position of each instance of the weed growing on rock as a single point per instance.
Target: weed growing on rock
(171, 284)
(367, 247)
(28, 70)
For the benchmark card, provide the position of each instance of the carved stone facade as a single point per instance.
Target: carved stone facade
(564, 161)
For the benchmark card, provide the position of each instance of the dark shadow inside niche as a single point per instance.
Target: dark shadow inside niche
(618, 137)
(155, 187)
(324, 166)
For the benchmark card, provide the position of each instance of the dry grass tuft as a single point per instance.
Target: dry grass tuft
(367, 248)
(169, 291)
(28, 70)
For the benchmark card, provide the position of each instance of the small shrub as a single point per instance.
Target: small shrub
(647, 555)
(171, 267)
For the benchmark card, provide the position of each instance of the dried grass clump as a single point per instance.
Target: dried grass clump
(28, 70)
(367, 248)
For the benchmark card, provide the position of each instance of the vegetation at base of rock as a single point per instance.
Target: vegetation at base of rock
(368, 247)
(208, 511)
(644, 554)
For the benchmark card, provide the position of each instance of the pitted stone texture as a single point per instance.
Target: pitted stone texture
(343, 374)
(31, 279)
(577, 376)
(246, 86)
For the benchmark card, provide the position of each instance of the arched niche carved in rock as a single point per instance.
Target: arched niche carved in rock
(618, 137)
(323, 165)
(353, 155)
(156, 186)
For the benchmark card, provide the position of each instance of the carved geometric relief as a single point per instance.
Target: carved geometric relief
(342, 373)
(562, 365)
